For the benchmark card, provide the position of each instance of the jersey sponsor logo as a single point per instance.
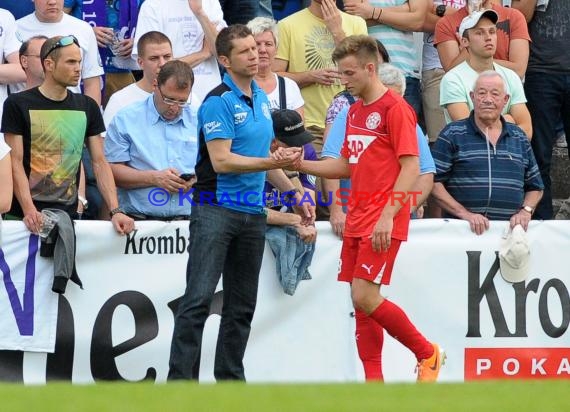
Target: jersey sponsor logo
(239, 118)
(266, 110)
(357, 144)
(212, 127)
(373, 120)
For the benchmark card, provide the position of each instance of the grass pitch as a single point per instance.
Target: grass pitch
(480, 397)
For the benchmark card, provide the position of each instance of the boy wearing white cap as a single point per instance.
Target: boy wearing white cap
(479, 34)
(512, 38)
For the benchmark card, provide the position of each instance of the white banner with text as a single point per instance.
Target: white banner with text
(119, 326)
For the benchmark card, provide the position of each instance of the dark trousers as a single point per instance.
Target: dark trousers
(221, 240)
(548, 96)
(239, 11)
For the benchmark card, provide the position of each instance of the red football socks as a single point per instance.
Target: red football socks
(397, 324)
(369, 341)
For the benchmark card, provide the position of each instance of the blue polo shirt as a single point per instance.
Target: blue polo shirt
(462, 159)
(142, 139)
(227, 113)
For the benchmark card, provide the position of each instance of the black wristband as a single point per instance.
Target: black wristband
(440, 10)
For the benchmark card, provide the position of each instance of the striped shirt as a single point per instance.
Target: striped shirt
(486, 179)
(399, 44)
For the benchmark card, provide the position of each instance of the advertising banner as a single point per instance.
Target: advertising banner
(120, 325)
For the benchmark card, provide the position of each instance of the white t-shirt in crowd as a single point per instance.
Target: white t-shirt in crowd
(8, 44)
(91, 66)
(292, 94)
(177, 21)
(122, 98)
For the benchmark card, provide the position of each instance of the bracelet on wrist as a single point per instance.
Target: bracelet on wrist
(373, 12)
(379, 15)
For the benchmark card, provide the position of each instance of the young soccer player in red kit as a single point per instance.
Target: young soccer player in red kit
(380, 155)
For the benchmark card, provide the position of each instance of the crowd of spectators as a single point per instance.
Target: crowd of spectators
(101, 102)
(295, 61)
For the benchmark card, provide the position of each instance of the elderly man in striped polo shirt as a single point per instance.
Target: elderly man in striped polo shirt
(486, 169)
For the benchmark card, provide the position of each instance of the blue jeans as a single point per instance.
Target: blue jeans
(225, 241)
(413, 96)
(92, 194)
(548, 97)
(239, 11)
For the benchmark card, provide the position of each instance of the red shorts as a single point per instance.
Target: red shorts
(358, 260)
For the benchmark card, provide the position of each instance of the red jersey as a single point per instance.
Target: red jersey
(511, 25)
(377, 134)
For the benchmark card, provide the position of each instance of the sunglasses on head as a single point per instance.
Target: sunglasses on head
(63, 42)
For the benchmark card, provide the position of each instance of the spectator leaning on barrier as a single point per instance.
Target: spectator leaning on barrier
(547, 86)
(485, 166)
(152, 146)
(380, 135)
(154, 51)
(228, 223)
(46, 157)
(478, 33)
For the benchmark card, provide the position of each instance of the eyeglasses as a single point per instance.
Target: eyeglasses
(31, 55)
(172, 102)
(63, 42)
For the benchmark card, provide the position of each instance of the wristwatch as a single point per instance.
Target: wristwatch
(528, 209)
(115, 211)
(83, 201)
(440, 10)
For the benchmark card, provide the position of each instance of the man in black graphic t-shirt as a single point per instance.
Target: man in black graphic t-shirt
(46, 128)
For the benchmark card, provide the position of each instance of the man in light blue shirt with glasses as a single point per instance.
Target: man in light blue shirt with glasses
(152, 147)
